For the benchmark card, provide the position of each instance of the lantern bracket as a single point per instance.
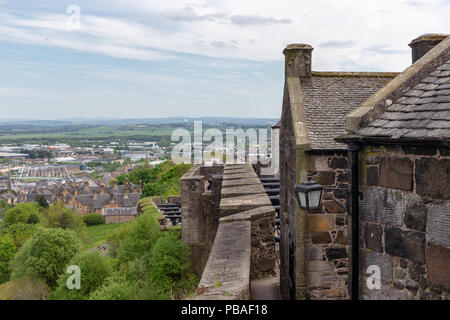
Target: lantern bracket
(333, 198)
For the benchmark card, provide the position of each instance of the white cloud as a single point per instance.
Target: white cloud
(342, 32)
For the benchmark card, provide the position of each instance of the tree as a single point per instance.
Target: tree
(67, 220)
(20, 213)
(4, 204)
(7, 250)
(94, 267)
(46, 254)
(33, 219)
(143, 235)
(42, 201)
(20, 232)
(57, 216)
(115, 288)
(169, 260)
(93, 219)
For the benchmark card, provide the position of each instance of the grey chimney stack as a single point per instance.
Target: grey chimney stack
(298, 60)
(421, 45)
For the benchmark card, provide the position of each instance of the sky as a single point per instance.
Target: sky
(144, 59)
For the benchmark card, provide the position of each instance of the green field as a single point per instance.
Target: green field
(83, 132)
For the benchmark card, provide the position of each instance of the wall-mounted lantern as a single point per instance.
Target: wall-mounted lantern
(309, 194)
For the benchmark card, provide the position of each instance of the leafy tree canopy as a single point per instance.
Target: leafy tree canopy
(94, 268)
(46, 254)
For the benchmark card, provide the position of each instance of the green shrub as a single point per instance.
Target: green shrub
(57, 216)
(115, 288)
(93, 219)
(20, 232)
(138, 272)
(140, 239)
(94, 268)
(42, 201)
(7, 250)
(169, 260)
(20, 213)
(46, 254)
(4, 204)
(118, 236)
(33, 219)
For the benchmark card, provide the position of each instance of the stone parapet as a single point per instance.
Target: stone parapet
(262, 221)
(234, 205)
(199, 211)
(227, 272)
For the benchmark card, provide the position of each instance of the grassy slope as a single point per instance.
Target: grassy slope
(168, 180)
(99, 233)
(148, 207)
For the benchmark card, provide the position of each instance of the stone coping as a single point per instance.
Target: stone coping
(227, 272)
(239, 176)
(243, 203)
(252, 214)
(235, 191)
(240, 182)
(192, 174)
(236, 171)
(239, 165)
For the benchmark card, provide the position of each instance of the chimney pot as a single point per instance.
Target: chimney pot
(424, 43)
(298, 60)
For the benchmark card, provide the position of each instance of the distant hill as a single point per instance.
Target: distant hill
(211, 121)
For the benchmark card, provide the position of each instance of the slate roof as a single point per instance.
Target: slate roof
(330, 97)
(119, 211)
(421, 113)
(89, 197)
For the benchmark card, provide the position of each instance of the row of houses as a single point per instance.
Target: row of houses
(117, 203)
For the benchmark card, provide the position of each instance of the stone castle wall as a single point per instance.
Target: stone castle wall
(262, 224)
(119, 218)
(199, 210)
(227, 273)
(326, 241)
(288, 208)
(319, 238)
(244, 246)
(405, 221)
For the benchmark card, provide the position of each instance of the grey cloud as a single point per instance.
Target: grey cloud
(338, 44)
(223, 45)
(257, 20)
(188, 14)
